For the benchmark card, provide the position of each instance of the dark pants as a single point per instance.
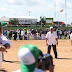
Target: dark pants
(60, 36)
(54, 49)
(25, 38)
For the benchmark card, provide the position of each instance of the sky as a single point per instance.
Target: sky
(37, 8)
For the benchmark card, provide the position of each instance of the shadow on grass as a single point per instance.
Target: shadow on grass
(3, 71)
(11, 61)
(65, 58)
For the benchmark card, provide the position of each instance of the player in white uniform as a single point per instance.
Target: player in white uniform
(4, 44)
(71, 37)
(51, 40)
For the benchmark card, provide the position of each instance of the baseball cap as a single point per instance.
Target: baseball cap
(28, 56)
(51, 27)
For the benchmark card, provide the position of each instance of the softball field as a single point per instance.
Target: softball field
(62, 64)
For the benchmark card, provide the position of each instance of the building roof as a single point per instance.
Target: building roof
(6, 18)
(30, 17)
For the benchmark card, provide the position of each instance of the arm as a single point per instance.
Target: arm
(46, 41)
(57, 40)
(4, 47)
(7, 46)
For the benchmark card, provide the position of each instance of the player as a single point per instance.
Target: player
(4, 43)
(51, 40)
(71, 37)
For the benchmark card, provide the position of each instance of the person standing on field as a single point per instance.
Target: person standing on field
(51, 40)
(4, 43)
(71, 37)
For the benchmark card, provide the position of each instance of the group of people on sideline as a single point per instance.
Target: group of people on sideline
(34, 34)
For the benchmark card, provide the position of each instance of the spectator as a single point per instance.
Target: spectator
(28, 34)
(18, 32)
(25, 34)
(10, 34)
(28, 56)
(22, 34)
(15, 35)
(60, 33)
(32, 34)
(65, 34)
(40, 31)
(37, 35)
(42, 35)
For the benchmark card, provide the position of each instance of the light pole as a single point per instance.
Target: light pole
(55, 9)
(58, 18)
(65, 11)
(29, 12)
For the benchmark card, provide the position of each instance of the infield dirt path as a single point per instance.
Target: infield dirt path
(63, 64)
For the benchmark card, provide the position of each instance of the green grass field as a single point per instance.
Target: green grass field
(12, 28)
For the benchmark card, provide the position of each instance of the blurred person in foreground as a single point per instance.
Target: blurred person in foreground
(4, 43)
(30, 58)
(46, 62)
(51, 40)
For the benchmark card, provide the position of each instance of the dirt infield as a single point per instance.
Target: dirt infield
(62, 64)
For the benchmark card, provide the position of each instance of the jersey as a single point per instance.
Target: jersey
(4, 40)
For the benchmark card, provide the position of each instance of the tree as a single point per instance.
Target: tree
(14, 21)
(68, 25)
(42, 19)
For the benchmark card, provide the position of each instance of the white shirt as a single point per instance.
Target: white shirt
(65, 32)
(51, 38)
(36, 70)
(71, 36)
(68, 32)
(18, 31)
(28, 32)
(37, 34)
(22, 33)
(60, 32)
(4, 40)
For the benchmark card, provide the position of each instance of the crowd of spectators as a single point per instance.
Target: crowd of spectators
(34, 34)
